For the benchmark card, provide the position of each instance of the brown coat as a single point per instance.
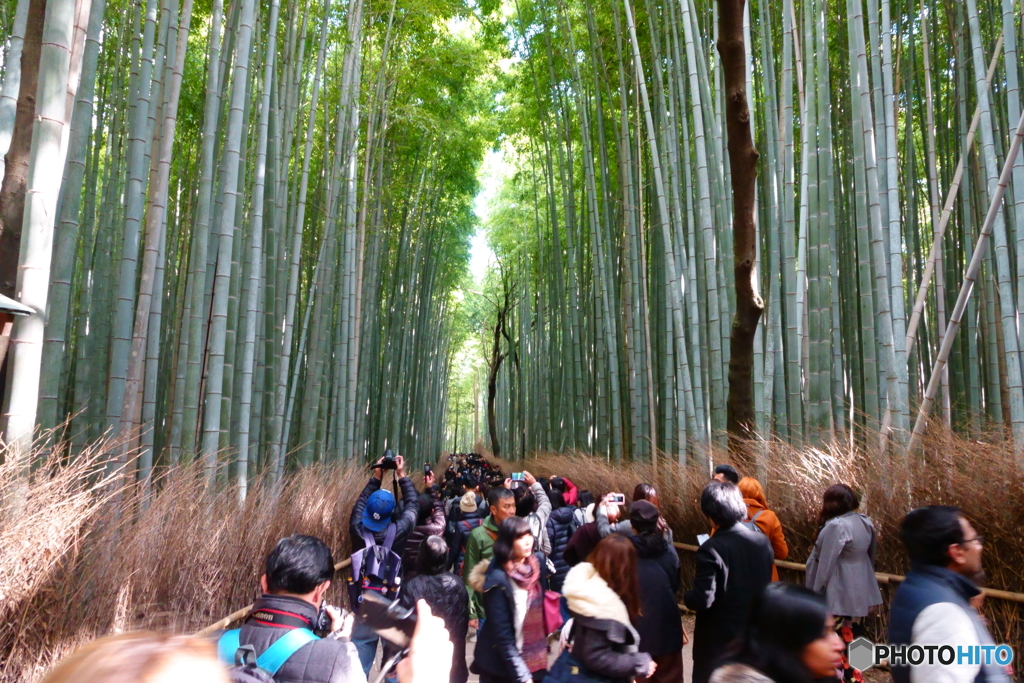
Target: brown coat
(767, 521)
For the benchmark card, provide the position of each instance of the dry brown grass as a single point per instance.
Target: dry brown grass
(73, 568)
(75, 565)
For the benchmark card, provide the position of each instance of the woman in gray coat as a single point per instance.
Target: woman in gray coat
(842, 565)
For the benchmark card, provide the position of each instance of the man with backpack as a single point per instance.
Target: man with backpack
(276, 642)
(480, 546)
(377, 546)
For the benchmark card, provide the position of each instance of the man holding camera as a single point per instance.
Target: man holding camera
(298, 573)
(372, 518)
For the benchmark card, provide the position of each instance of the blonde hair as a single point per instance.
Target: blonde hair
(141, 658)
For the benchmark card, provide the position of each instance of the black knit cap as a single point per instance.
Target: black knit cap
(643, 515)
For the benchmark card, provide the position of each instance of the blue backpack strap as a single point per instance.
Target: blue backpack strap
(284, 647)
(228, 645)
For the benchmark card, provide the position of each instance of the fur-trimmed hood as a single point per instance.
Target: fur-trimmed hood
(738, 673)
(478, 575)
(589, 595)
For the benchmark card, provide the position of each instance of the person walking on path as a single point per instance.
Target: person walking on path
(560, 528)
(933, 606)
(587, 536)
(659, 625)
(603, 595)
(446, 596)
(511, 646)
(766, 520)
(459, 531)
(789, 639)
(641, 492)
(294, 585)
(372, 518)
(430, 521)
(534, 505)
(733, 567)
(480, 546)
(842, 565)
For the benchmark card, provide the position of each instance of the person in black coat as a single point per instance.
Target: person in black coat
(373, 513)
(459, 530)
(733, 568)
(409, 510)
(560, 527)
(511, 646)
(446, 595)
(659, 624)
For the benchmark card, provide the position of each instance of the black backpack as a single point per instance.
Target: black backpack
(243, 664)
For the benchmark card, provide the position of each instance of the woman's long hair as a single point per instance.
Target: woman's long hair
(785, 619)
(838, 500)
(614, 558)
(509, 531)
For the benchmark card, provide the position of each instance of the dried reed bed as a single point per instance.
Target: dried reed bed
(978, 476)
(77, 564)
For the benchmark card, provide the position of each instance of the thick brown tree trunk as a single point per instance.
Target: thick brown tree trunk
(743, 156)
(494, 364)
(12, 193)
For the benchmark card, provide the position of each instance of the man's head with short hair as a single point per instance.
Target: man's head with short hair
(725, 473)
(470, 482)
(502, 503)
(939, 535)
(298, 565)
(723, 503)
(433, 556)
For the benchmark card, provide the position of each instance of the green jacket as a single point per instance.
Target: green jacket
(479, 548)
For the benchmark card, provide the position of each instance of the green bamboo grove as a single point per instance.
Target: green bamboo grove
(883, 128)
(262, 215)
(242, 228)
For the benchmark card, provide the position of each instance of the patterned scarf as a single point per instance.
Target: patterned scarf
(535, 642)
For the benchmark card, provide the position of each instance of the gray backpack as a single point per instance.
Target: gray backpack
(750, 524)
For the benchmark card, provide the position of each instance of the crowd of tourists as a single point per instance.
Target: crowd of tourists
(540, 581)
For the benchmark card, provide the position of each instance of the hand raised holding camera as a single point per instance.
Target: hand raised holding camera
(341, 622)
(399, 466)
(529, 478)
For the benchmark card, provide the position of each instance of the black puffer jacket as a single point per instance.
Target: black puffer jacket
(457, 543)
(447, 597)
(659, 625)
(560, 528)
(322, 661)
(433, 527)
(406, 521)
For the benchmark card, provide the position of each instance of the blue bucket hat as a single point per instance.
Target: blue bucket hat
(377, 513)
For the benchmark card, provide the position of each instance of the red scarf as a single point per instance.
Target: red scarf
(535, 643)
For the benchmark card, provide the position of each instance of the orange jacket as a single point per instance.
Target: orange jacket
(767, 521)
